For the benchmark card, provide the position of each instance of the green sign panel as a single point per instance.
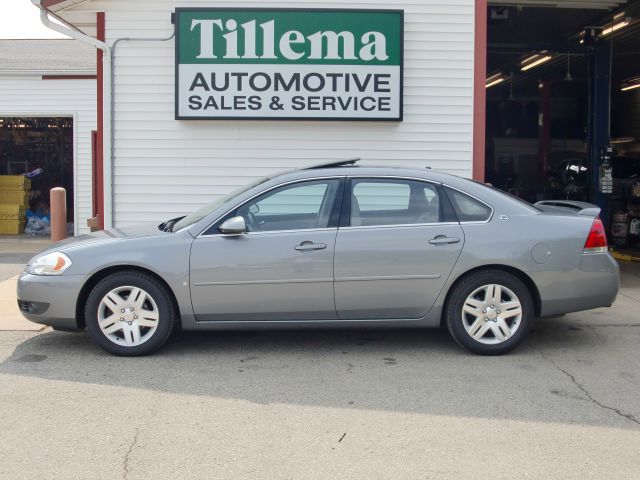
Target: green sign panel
(289, 64)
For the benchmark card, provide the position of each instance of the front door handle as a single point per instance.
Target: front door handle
(308, 245)
(443, 240)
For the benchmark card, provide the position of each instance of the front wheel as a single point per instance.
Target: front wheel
(489, 312)
(129, 314)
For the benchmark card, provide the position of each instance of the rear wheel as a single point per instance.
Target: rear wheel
(129, 314)
(490, 312)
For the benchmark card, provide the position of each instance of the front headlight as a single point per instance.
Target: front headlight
(51, 264)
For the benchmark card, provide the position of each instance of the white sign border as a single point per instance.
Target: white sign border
(177, 116)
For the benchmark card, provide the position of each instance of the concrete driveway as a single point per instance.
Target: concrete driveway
(390, 404)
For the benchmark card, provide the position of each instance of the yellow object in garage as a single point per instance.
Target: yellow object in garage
(14, 200)
(624, 257)
(14, 182)
(11, 212)
(15, 197)
(11, 227)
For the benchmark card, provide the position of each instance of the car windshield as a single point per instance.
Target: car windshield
(217, 203)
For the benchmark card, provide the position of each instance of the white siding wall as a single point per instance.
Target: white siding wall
(164, 167)
(30, 95)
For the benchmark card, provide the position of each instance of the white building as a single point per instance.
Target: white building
(184, 94)
(157, 166)
(48, 87)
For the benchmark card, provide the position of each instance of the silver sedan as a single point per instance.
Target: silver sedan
(337, 245)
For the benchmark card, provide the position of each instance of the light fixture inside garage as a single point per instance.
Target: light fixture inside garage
(494, 80)
(630, 85)
(622, 140)
(535, 60)
(619, 21)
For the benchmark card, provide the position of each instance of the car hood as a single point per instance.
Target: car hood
(128, 232)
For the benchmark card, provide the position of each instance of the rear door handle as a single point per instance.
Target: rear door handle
(443, 240)
(306, 246)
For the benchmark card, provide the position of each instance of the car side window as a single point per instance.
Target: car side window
(299, 206)
(468, 209)
(376, 202)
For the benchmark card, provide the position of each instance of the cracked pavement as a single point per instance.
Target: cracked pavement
(125, 462)
(587, 394)
(329, 404)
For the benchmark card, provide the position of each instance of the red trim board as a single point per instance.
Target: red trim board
(479, 90)
(98, 185)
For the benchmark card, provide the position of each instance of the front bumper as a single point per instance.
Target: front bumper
(50, 300)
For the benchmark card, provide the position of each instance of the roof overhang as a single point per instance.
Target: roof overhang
(82, 18)
(54, 5)
(50, 73)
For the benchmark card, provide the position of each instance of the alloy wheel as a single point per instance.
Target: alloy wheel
(128, 316)
(491, 314)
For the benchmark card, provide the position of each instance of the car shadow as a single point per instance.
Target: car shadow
(388, 369)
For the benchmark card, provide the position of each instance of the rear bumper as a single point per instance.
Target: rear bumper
(593, 284)
(50, 300)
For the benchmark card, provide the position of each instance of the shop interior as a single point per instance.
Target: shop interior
(42, 149)
(563, 107)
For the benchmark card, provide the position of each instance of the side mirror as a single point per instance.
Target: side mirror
(233, 226)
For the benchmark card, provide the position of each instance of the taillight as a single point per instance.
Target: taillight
(597, 239)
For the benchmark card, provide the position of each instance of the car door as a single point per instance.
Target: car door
(397, 244)
(281, 268)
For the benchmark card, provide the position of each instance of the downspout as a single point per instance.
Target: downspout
(106, 64)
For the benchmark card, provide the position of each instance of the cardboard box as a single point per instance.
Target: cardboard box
(94, 223)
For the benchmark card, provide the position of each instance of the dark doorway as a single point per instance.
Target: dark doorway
(546, 123)
(41, 148)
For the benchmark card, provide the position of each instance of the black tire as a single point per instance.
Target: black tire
(458, 297)
(162, 299)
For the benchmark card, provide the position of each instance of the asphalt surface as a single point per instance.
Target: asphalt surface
(391, 404)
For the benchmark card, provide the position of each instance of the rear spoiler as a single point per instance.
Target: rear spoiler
(579, 208)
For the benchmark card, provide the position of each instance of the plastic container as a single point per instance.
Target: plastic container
(15, 197)
(11, 212)
(14, 182)
(619, 229)
(11, 227)
(620, 217)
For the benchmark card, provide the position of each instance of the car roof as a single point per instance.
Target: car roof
(368, 170)
(490, 196)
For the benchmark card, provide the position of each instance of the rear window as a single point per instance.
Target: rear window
(521, 201)
(468, 209)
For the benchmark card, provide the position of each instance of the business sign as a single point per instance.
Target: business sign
(288, 64)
